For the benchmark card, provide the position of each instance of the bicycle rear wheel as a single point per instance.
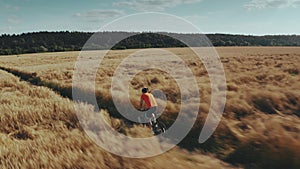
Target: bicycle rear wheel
(159, 128)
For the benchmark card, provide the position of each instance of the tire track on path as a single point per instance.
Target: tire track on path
(66, 91)
(37, 81)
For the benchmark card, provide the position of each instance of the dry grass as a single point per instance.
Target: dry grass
(260, 125)
(39, 129)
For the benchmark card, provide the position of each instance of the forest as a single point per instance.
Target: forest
(35, 42)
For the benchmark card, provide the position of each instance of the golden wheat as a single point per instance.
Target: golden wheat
(261, 116)
(39, 129)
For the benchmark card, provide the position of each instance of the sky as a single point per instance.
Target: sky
(250, 17)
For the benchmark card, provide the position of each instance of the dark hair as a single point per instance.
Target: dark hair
(145, 90)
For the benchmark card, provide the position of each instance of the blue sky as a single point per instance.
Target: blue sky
(254, 17)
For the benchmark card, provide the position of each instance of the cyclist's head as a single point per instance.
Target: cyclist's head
(145, 90)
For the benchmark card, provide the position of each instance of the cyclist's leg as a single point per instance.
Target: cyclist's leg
(150, 115)
(139, 120)
(146, 118)
(152, 119)
(153, 114)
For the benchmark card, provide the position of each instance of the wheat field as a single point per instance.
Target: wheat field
(259, 129)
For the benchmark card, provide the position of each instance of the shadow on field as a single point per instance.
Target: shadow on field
(66, 91)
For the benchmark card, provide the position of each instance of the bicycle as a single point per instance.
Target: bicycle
(157, 126)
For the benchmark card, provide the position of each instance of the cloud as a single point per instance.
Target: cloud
(153, 5)
(13, 19)
(99, 15)
(261, 4)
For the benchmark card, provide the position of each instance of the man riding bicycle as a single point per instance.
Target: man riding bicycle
(151, 105)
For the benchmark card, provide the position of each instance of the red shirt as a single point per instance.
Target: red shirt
(149, 100)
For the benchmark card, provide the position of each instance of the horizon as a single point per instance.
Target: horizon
(248, 17)
(185, 33)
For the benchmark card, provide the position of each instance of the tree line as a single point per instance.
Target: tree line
(74, 41)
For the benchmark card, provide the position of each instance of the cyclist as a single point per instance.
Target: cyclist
(151, 105)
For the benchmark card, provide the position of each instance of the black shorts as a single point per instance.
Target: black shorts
(149, 112)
